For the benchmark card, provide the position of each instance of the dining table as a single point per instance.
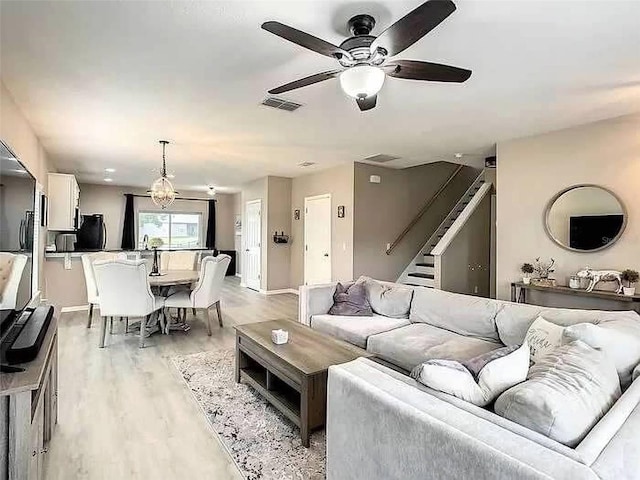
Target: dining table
(162, 284)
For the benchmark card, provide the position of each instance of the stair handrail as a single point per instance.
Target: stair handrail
(424, 209)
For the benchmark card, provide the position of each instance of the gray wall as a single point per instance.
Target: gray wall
(278, 219)
(109, 200)
(466, 262)
(338, 182)
(237, 237)
(382, 211)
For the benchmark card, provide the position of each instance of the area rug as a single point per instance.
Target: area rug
(263, 443)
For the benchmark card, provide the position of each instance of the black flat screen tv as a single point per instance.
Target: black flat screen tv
(588, 232)
(17, 228)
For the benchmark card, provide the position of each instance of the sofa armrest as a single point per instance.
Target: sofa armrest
(381, 427)
(636, 373)
(315, 300)
(614, 443)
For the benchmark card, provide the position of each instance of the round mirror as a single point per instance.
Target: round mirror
(585, 218)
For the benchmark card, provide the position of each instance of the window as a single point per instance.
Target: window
(174, 230)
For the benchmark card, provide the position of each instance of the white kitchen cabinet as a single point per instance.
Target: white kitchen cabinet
(64, 200)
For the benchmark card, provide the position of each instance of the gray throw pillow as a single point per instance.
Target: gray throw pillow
(566, 393)
(388, 299)
(351, 301)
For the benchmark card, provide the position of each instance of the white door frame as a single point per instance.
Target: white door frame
(304, 251)
(246, 249)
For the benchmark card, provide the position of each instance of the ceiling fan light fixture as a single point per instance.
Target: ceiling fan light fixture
(361, 81)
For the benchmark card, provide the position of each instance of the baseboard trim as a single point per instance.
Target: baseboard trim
(279, 292)
(75, 308)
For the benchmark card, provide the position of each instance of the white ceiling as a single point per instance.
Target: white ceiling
(102, 82)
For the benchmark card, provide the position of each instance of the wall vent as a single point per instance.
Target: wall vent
(306, 164)
(381, 158)
(281, 104)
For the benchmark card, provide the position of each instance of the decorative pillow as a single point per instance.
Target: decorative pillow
(617, 339)
(351, 301)
(566, 394)
(388, 299)
(479, 380)
(543, 337)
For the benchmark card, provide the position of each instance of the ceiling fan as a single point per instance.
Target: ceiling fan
(364, 59)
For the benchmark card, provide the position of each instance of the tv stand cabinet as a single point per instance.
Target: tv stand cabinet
(29, 411)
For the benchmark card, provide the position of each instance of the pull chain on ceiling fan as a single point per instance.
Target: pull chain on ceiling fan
(364, 58)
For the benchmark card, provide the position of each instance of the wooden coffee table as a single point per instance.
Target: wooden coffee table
(293, 376)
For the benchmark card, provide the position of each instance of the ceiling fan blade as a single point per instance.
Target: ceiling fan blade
(305, 40)
(413, 26)
(434, 72)
(303, 82)
(367, 103)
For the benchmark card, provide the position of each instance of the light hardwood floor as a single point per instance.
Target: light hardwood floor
(125, 413)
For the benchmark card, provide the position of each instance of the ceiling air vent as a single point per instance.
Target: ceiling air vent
(381, 158)
(281, 104)
(306, 164)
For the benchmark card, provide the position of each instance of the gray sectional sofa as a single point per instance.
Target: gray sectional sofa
(382, 424)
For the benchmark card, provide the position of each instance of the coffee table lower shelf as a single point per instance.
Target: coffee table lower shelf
(283, 397)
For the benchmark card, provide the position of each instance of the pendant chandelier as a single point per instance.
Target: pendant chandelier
(162, 192)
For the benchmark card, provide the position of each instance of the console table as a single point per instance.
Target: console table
(519, 294)
(28, 403)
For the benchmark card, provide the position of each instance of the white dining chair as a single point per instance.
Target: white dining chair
(123, 289)
(11, 270)
(90, 278)
(207, 291)
(182, 260)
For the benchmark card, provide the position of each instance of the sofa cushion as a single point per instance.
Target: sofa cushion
(514, 319)
(463, 314)
(351, 301)
(388, 299)
(409, 346)
(543, 337)
(355, 330)
(617, 339)
(479, 380)
(566, 394)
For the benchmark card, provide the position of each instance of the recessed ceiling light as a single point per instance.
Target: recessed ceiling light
(108, 179)
(109, 170)
(458, 155)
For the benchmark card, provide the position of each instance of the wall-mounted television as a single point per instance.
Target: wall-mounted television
(588, 232)
(17, 223)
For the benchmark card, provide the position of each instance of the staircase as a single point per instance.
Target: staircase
(423, 271)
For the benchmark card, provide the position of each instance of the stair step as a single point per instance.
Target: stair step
(424, 264)
(416, 285)
(422, 275)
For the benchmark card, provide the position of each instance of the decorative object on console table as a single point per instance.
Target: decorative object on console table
(155, 271)
(574, 282)
(630, 277)
(542, 271)
(597, 276)
(527, 270)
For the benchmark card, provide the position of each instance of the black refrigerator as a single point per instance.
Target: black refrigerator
(92, 234)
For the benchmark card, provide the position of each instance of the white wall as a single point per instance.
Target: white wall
(532, 170)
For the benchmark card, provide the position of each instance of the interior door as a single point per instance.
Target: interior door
(252, 255)
(317, 239)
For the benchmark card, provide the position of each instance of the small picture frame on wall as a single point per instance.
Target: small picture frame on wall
(238, 224)
(296, 214)
(340, 211)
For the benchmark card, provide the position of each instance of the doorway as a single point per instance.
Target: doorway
(252, 247)
(317, 239)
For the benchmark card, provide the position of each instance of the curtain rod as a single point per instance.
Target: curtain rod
(177, 198)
